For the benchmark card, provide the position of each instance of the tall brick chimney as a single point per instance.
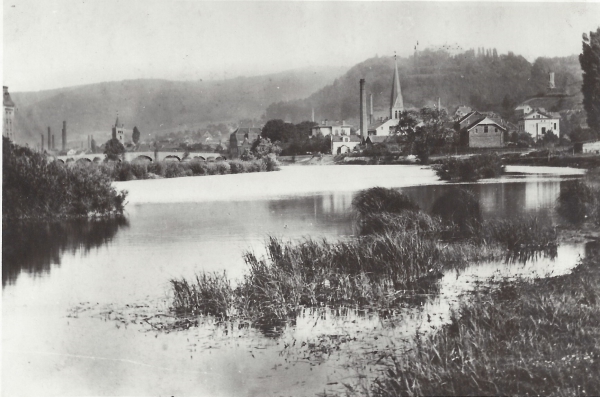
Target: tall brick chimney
(42, 135)
(49, 139)
(371, 110)
(363, 110)
(53, 146)
(64, 136)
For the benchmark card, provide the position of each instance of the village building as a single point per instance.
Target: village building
(333, 129)
(344, 143)
(484, 132)
(118, 131)
(462, 111)
(539, 122)
(9, 115)
(523, 109)
(241, 140)
(388, 127)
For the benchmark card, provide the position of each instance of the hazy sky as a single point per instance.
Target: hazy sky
(57, 43)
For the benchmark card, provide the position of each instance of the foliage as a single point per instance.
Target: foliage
(590, 64)
(379, 199)
(578, 202)
(434, 132)
(113, 149)
(33, 188)
(135, 136)
(94, 146)
(261, 147)
(470, 169)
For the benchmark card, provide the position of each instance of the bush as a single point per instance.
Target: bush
(173, 170)
(379, 199)
(460, 209)
(157, 168)
(33, 188)
(578, 202)
(223, 168)
(271, 163)
(237, 166)
(470, 169)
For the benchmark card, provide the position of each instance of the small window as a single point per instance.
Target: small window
(485, 129)
(554, 126)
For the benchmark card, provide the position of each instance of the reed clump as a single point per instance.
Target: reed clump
(524, 338)
(579, 202)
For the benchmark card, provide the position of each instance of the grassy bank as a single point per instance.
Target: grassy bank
(523, 338)
(126, 171)
(32, 188)
(398, 249)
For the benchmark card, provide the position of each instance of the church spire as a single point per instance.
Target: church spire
(396, 103)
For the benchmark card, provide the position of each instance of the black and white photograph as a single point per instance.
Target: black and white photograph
(300, 198)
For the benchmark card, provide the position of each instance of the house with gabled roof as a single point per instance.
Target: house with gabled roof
(538, 123)
(242, 139)
(331, 128)
(484, 132)
(344, 143)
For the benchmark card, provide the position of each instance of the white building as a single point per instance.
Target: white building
(333, 129)
(344, 143)
(537, 123)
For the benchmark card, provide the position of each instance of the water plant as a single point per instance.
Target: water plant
(460, 209)
(578, 202)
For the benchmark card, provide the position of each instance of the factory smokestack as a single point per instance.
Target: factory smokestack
(42, 135)
(64, 136)
(53, 146)
(551, 84)
(363, 110)
(371, 110)
(49, 139)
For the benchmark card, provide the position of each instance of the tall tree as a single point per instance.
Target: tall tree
(590, 64)
(113, 149)
(135, 137)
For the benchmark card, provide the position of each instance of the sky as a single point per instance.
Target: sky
(59, 43)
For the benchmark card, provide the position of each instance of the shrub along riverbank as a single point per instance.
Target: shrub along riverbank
(470, 169)
(33, 188)
(126, 171)
(398, 248)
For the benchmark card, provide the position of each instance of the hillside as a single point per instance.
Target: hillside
(158, 105)
(486, 82)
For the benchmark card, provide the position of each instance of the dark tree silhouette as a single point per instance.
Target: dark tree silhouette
(113, 149)
(135, 137)
(590, 64)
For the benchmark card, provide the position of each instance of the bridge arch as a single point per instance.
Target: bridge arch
(60, 161)
(221, 158)
(199, 158)
(97, 159)
(83, 160)
(172, 157)
(70, 160)
(143, 158)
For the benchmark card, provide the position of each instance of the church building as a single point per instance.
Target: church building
(9, 115)
(387, 127)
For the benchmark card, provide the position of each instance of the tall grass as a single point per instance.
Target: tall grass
(538, 338)
(459, 209)
(473, 168)
(32, 188)
(379, 199)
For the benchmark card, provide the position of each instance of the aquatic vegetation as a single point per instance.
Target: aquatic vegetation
(33, 188)
(379, 199)
(519, 235)
(470, 169)
(524, 338)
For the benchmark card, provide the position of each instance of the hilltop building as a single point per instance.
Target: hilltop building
(242, 139)
(539, 122)
(9, 115)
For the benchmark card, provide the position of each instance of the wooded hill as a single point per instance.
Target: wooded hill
(483, 80)
(158, 105)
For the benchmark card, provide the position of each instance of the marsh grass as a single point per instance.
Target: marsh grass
(523, 338)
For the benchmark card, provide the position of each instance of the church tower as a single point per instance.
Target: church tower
(396, 103)
(118, 131)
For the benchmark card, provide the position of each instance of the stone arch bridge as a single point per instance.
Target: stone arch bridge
(144, 157)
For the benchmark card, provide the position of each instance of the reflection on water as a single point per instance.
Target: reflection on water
(34, 247)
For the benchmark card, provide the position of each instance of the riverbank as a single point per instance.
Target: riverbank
(518, 338)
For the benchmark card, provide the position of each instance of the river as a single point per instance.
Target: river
(73, 292)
